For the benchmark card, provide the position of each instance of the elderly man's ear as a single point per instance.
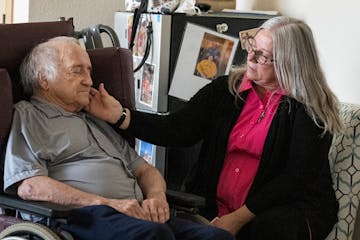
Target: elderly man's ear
(43, 82)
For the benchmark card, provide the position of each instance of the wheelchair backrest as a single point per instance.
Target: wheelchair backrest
(112, 66)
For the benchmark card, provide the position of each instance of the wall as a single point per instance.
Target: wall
(84, 12)
(2, 9)
(21, 11)
(337, 34)
(333, 22)
(6, 9)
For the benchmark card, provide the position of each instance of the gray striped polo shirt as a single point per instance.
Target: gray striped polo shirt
(74, 148)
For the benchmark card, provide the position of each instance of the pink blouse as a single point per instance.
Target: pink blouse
(245, 147)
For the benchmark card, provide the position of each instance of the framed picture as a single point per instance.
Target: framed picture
(213, 56)
(247, 33)
(204, 55)
(153, 154)
(140, 37)
(146, 151)
(146, 95)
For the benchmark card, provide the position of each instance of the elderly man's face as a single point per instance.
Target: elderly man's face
(71, 88)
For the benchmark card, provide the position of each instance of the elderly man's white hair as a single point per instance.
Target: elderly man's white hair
(43, 60)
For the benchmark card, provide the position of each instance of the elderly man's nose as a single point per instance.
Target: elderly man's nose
(87, 80)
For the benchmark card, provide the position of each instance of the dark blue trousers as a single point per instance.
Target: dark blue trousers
(105, 223)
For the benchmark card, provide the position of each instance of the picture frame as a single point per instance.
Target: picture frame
(147, 151)
(204, 55)
(146, 95)
(245, 34)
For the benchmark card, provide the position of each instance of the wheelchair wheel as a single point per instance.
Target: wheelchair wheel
(28, 230)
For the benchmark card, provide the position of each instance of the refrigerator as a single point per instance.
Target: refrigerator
(151, 80)
(167, 39)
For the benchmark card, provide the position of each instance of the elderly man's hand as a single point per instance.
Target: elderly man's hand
(103, 105)
(156, 207)
(129, 207)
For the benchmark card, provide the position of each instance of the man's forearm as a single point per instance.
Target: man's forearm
(42, 188)
(153, 186)
(150, 181)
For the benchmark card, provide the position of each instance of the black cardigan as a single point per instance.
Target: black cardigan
(294, 167)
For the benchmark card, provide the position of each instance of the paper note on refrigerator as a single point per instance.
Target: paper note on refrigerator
(204, 55)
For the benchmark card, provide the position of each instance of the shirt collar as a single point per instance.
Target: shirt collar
(49, 109)
(245, 84)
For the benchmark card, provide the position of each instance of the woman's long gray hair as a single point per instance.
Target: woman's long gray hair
(298, 71)
(42, 59)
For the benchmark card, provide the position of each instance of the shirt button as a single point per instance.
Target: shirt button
(242, 135)
(237, 170)
(261, 107)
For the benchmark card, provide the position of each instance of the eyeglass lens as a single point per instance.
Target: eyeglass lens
(250, 45)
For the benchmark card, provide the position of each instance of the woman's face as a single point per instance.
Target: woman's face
(260, 72)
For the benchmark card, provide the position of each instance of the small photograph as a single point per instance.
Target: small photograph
(140, 37)
(204, 55)
(213, 57)
(129, 28)
(146, 151)
(243, 35)
(147, 84)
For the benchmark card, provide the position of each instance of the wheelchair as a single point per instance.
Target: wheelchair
(112, 66)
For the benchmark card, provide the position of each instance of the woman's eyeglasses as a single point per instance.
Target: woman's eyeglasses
(260, 58)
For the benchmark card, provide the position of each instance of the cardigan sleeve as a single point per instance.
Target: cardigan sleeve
(294, 169)
(182, 128)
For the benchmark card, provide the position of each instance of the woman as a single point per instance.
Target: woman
(266, 131)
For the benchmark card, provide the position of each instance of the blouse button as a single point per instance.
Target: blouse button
(237, 170)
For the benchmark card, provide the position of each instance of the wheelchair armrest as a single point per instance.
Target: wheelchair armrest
(184, 199)
(45, 209)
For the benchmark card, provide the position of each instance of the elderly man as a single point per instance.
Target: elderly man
(59, 153)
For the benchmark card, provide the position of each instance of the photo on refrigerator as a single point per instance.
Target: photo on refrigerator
(146, 151)
(147, 85)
